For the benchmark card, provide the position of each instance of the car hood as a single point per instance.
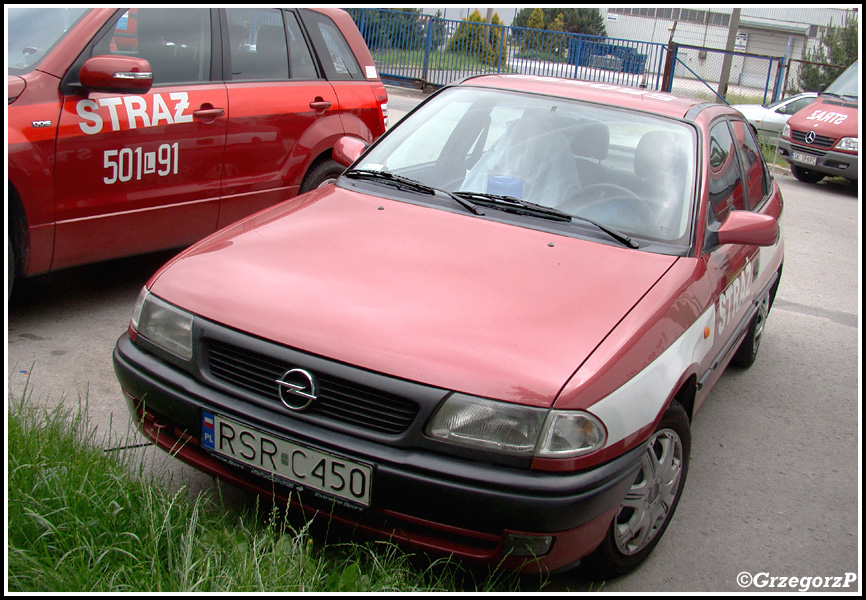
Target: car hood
(829, 116)
(442, 298)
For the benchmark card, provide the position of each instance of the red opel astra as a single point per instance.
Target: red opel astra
(489, 337)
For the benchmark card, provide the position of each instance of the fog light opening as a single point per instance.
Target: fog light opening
(517, 544)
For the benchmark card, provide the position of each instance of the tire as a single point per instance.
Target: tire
(11, 266)
(647, 509)
(320, 174)
(746, 354)
(805, 175)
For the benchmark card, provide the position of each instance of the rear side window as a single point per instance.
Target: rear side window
(334, 51)
(264, 47)
(175, 41)
(258, 47)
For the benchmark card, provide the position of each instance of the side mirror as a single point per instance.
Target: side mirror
(749, 229)
(348, 149)
(123, 74)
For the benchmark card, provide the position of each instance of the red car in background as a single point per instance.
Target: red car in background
(134, 130)
(822, 139)
(490, 337)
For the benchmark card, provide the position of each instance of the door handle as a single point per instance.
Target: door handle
(208, 114)
(320, 105)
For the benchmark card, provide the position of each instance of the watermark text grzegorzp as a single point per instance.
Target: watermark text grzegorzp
(800, 583)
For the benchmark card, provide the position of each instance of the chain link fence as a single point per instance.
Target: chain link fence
(721, 76)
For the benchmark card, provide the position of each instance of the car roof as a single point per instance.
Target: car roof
(647, 100)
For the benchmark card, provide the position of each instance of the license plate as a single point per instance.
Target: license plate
(806, 159)
(305, 468)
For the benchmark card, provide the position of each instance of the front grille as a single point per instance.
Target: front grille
(807, 150)
(821, 141)
(338, 399)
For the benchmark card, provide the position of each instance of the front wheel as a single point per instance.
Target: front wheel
(748, 351)
(806, 175)
(651, 501)
(11, 266)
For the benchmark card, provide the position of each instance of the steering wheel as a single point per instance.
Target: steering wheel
(612, 205)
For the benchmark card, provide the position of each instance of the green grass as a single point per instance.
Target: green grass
(394, 58)
(84, 520)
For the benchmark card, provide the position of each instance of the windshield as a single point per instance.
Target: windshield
(847, 84)
(34, 31)
(626, 170)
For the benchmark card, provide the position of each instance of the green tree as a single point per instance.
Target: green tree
(587, 21)
(396, 28)
(838, 47)
(476, 38)
(536, 19)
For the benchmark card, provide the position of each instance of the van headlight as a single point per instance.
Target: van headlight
(849, 144)
(786, 131)
(513, 429)
(163, 324)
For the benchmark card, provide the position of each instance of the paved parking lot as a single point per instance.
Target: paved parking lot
(774, 483)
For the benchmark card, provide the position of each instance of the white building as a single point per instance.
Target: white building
(772, 31)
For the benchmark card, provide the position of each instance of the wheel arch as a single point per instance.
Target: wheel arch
(18, 230)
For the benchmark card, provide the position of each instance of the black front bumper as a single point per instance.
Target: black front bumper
(429, 486)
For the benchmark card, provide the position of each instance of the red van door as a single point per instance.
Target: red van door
(283, 112)
(137, 173)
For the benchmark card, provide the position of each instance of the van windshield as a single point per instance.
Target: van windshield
(847, 84)
(33, 31)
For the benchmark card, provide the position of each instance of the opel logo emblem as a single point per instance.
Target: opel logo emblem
(297, 389)
(810, 137)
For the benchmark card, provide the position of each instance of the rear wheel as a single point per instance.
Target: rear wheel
(650, 503)
(806, 175)
(320, 174)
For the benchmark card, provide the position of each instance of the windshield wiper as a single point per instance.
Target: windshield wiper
(409, 184)
(620, 237)
(514, 205)
(846, 97)
(390, 179)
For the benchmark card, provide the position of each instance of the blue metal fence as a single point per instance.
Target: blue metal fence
(409, 47)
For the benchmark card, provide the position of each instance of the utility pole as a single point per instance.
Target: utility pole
(726, 63)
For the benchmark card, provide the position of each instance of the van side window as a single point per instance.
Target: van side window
(175, 41)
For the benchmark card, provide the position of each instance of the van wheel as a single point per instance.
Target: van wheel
(805, 175)
(321, 174)
(650, 503)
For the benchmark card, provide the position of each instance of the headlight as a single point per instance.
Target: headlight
(849, 144)
(570, 433)
(786, 131)
(164, 325)
(513, 429)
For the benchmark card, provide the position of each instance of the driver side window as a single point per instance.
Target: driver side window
(175, 41)
(725, 182)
